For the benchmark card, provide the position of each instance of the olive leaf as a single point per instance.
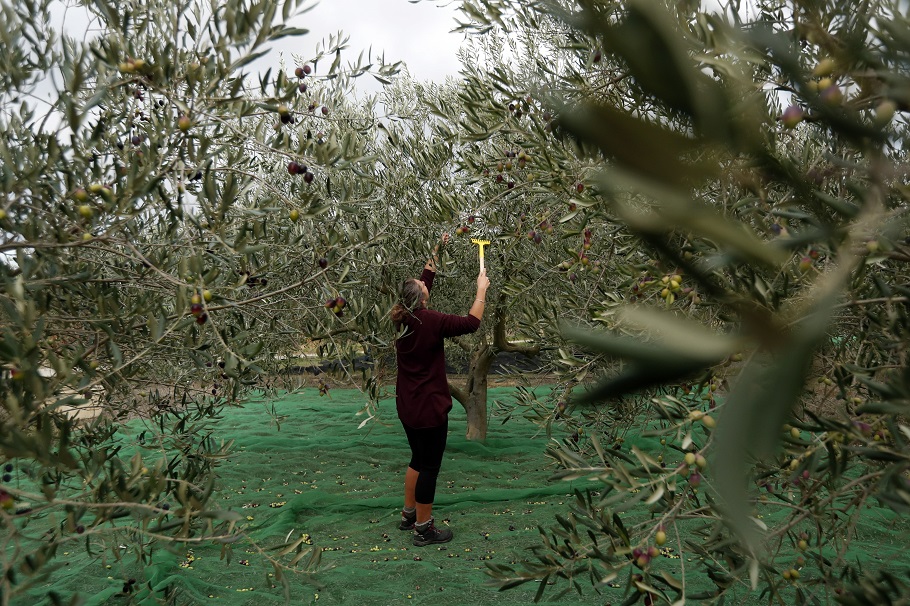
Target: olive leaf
(672, 352)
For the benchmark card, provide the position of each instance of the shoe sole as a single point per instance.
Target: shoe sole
(418, 543)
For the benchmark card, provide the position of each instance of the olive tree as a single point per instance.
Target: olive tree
(151, 258)
(756, 152)
(492, 161)
(438, 175)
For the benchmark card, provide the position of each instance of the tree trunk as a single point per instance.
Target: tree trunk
(474, 395)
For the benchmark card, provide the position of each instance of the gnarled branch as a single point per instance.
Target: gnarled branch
(500, 342)
(458, 393)
(461, 343)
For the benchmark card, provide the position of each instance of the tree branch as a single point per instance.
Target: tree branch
(500, 342)
(331, 333)
(458, 393)
(461, 343)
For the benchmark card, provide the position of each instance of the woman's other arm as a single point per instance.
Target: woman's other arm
(433, 261)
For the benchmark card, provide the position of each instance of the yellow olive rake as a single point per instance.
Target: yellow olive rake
(480, 244)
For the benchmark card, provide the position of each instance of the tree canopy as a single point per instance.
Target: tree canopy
(698, 222)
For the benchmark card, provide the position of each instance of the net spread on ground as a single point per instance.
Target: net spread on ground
(341, 486)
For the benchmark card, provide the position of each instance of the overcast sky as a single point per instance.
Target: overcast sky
(417, 34)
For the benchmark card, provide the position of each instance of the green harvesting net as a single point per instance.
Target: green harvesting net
(321, 476)
(342, 486)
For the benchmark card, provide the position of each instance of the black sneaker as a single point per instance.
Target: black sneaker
(408, 521)
(428, 534)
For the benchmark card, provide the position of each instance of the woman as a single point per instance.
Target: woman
(423, 398)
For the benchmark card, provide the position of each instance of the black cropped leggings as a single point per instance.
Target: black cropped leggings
(427, 447)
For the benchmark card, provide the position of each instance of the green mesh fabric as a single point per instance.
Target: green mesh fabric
(321, 475)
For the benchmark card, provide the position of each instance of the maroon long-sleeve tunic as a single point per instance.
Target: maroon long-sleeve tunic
(423, 398)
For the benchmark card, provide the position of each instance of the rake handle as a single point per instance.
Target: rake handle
(480, 244)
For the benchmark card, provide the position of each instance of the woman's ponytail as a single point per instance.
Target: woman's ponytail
(409, 300)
